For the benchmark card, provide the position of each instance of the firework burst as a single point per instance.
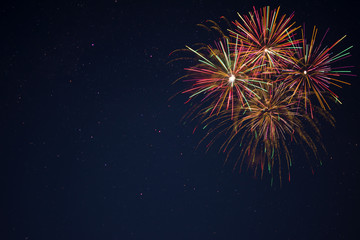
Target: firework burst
(223, 78)
(267, 36)
(264, 129)
(311, 72)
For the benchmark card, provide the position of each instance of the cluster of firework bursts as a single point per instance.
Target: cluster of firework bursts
(261, 87)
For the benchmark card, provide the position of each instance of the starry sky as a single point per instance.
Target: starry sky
(92, 147)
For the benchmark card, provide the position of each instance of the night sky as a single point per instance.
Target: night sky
(92, 147)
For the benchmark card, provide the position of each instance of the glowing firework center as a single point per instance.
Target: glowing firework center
(232, 79)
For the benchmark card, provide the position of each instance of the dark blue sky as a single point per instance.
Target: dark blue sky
(93, 149)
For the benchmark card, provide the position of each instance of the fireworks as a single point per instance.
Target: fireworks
(253, 89)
